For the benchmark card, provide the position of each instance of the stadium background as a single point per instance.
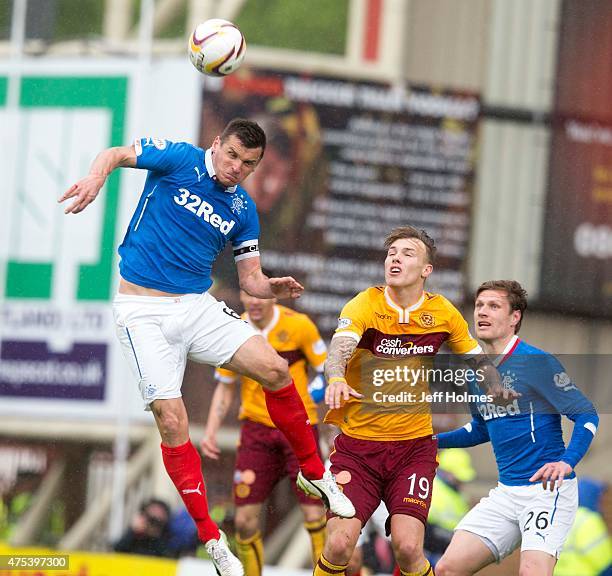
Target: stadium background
(485, 121)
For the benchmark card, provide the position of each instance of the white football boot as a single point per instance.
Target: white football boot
(327, 489)
(226, 564)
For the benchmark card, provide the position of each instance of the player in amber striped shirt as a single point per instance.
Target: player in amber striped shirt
(386, 339)
(264, 456)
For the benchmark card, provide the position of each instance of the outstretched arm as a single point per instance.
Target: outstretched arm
(254, 282)
(86, 190)
(338, 391)
(472, 434)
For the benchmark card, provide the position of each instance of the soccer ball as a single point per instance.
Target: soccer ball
(216, 47)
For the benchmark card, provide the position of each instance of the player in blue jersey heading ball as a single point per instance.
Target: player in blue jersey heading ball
(192, 205)
(535, 502)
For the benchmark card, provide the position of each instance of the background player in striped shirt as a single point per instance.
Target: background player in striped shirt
(264, 456)
(192, 205)
(532, 506)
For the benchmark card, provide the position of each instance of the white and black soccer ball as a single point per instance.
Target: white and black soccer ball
(216, 47)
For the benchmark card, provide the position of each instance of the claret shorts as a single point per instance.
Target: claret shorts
(400, 473)
(265, 457)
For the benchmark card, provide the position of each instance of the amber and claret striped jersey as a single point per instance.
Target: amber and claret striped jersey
(388, 336)
(296, 338)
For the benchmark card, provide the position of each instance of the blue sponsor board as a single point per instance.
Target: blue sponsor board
(28, 369)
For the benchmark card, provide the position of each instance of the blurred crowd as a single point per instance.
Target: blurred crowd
(15, 501)
(157, 530)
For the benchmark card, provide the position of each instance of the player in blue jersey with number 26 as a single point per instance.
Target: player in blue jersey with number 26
(535, 502)
(192, 205)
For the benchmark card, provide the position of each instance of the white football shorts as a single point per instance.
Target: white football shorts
(535, 518)
(159, 333)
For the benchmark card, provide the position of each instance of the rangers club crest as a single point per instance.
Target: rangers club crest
(508, 379)
(238, 204)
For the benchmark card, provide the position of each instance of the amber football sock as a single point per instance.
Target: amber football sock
(427, 570)
(325, 568)
(250, 553)
(316, 531)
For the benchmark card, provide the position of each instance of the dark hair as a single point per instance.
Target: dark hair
(517, 295)
(156, 502)
(412, 232)
(248, 132)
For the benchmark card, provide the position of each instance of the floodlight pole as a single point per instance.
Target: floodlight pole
(121, 447)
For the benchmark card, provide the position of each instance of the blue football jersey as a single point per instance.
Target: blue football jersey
(183, 220)
(526, 433)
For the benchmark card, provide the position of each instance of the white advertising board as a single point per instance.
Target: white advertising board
(58, 274)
